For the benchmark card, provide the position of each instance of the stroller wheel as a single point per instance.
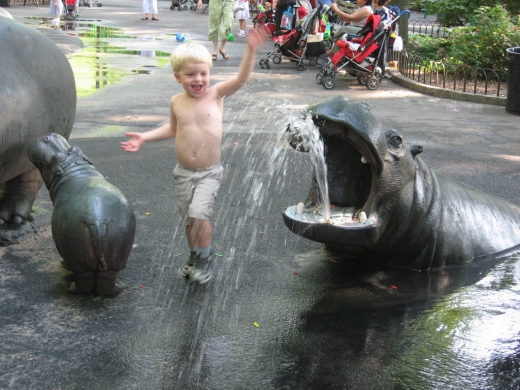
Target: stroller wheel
(372, 83)
(361, 79)
(313, 61)
(99, 4)
(261, 63)
(319, 78)
(277, 59)
(379, 76)
(328, 82)
(185, 7)
(172, 7)
(267, 64)
(193, 8)
(300, 67)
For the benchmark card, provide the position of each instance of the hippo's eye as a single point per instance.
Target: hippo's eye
(47, 139)
(396, 141)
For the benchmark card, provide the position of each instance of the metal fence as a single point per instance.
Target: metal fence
(433, 29)
(457, 77)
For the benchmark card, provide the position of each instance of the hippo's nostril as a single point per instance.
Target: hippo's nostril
(47, 139)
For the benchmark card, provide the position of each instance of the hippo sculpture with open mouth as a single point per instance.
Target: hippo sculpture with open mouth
(389, 207)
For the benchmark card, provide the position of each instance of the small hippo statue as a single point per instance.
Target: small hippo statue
(93, 225)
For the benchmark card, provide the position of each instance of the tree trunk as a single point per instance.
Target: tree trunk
(403, 22)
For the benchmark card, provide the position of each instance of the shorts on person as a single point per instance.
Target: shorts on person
(196, 190)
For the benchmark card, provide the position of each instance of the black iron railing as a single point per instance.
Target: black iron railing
(433, 29)
(457, 77)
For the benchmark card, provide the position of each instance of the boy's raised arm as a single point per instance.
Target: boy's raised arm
(255, 40)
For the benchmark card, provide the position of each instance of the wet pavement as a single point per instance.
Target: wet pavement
(281, 313)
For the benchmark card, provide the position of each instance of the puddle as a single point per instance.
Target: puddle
(105, 57)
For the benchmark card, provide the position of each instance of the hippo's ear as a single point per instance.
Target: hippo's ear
(416, 149)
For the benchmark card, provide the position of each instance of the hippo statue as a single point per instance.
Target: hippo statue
(389, 207)
(93, 225)
(37, 97)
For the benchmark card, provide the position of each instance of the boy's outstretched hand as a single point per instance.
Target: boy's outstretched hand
(134, 143)
(257, 38)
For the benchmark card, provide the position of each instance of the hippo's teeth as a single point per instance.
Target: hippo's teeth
(299, 208)
(363, 160)
(362, 217)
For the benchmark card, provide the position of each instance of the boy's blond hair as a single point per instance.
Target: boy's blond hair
(190, 53)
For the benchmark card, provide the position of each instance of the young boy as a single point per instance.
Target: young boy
(196, 123)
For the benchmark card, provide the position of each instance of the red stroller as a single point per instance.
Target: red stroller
(294, 44)
(362, 55)
(265, 19)
(71, 9)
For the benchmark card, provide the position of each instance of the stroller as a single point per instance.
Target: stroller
(71, 9)
(265, 19)
(179, 4)
(293, 43)
(90, 3)
(363, 55)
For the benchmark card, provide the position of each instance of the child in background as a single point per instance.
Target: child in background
(196, 123)
(242, 15)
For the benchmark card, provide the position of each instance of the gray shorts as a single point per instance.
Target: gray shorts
(196, 191)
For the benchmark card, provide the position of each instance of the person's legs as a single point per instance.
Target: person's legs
(146, 9)
(280, 9)
(154, 9)
(242, 23)
(226, 24)
(215, 16)
(195, 193)
(199, 233)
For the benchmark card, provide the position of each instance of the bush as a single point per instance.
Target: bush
(484, 42)
(427, 46)
(451, 13)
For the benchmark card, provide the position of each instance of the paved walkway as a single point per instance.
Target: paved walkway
(161, 333)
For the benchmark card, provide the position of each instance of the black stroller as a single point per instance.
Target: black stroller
(179, 4)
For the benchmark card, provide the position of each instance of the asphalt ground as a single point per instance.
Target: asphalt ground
(258, 324)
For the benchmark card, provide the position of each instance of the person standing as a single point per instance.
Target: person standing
(56, 9)
(150, 7)
(242, 14)
(220, 23)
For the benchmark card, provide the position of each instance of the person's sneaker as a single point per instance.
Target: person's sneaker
(188, 268)
(203, 270)
(240, 35)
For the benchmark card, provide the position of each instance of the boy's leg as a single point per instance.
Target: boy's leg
(199, 233)
(199, 230)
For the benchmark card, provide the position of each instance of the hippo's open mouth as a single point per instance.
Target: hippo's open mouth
(352, 164)
(353, 168)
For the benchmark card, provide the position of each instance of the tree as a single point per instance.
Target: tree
(403, 22)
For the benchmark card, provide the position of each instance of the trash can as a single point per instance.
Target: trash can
(513, 83)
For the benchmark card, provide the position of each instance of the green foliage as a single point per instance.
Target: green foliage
(484, 42)
(416, 5)
(427, 46)
(451, 13)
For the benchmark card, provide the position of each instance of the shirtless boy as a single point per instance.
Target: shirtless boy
(196, 123)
